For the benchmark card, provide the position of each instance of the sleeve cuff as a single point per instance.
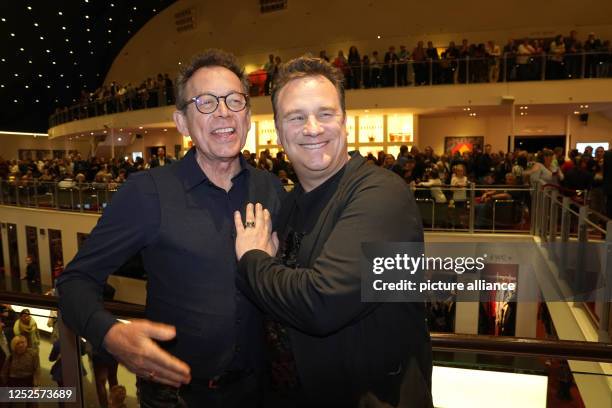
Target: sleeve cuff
(99, 324)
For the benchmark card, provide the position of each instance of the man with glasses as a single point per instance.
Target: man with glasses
(202, 342)
(330, 348)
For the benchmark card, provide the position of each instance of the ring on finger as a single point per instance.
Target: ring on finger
(249, 224)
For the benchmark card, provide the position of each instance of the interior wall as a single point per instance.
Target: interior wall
(10, 145)
(297, 29)
(497, 128)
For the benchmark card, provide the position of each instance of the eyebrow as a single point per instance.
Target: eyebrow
(301, 111)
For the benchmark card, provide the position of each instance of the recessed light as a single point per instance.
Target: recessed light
(165, 130)
(87, 29)
(40, 75)
(378, 37)
(48, 51)
(21, 49)
(12, 34)
(26, 86)
(29, 7)
(60, 13)
(576, 113)
(42, 38)
(3, 19)
(91, 133)
(15, 100)
(3, 60)
(53, 62)
(35, 24)
(29, 61)
(139, 127)
(63, 27)
(16, 75)
(48, 86)
(67, 39)
(134, 7)
(37, 100)
(119, 139)
(86, 16)
(110, 19)
(109, 31)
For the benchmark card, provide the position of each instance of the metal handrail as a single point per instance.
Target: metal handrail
(463, 70)
(510, 346)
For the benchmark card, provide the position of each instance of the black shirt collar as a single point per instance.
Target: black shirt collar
(193, 175)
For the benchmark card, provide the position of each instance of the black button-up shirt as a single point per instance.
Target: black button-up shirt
(183, 226)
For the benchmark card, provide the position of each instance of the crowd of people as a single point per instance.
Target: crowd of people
(576, 174)
(115, 97)
(561, 57)
(527, 59)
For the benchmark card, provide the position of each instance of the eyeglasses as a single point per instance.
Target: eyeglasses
(208, 103)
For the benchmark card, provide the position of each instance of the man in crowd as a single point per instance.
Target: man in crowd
(337, 350)
(161, 160)
(201, 334)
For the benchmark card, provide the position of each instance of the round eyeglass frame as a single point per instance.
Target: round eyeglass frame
(195, 99)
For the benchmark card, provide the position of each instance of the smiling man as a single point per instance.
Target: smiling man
(179, 219)
(331, 349)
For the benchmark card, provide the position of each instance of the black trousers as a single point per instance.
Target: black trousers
(245, 393)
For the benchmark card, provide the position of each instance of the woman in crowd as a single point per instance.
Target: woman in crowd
(354, 61)
(434, 183)
(26, 326)
(544, 170)
(21, 368)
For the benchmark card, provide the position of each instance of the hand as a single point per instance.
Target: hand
(258, 235)
(132, 345)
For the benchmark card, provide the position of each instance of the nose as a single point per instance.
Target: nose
(222, 110)
(312, 127)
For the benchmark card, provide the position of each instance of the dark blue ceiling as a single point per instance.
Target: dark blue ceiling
(51, 50)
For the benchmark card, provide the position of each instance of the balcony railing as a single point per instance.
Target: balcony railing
(428, 71)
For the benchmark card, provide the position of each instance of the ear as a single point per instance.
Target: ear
(181, 122)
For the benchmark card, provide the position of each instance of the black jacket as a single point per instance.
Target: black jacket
(344, 347)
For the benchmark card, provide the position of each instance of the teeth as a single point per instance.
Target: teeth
(314, 146)
(223, 130)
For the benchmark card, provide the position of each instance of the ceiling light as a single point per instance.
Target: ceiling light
(71, 52)
(26, 86)
(15, 100)
(61, 75)
(35, 24)
(29, 61)
(165, 130)
(586, 106)
(48, 51)
(60, 13)
(89, 41)
(139, 127)
(29, 7)
(134, 7)
(16, 75)
(378, 36)
(37, 101)
(1, 85)
(63, 27)
(3, 19)
(91, 133)
(53, 62)
(67, 39)
(109, 31)
(119, 139)
(3, 60)
(576, 113)
(21, 49)
(112, 5)
(12, 34)
(40, 75)
(110, 19)
(86, 16)
(87, 29)
(48, 86)
(42, 38)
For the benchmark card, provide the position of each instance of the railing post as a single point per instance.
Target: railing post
(543, 73)
(70, 346)
(552, 233)
(604, 303)
(17, 203)
(430, 71)
(36, 193)
(579, 281)
(533, 211)
(472, 207)
(56, 196)
(467, 69)
(583, 65)
(80, 197)
(565, 220)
